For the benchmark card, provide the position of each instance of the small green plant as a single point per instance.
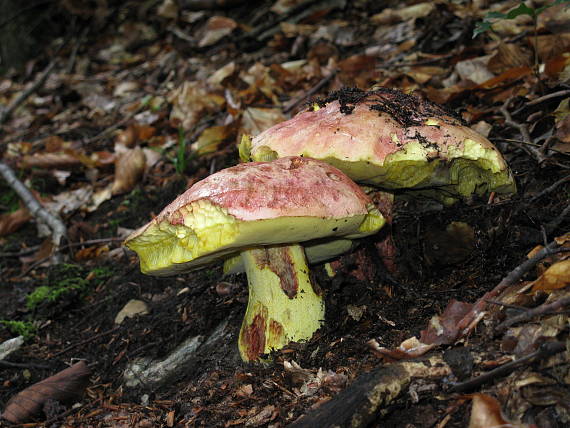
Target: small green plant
(67, 279)
(521, 9)
(25, 329)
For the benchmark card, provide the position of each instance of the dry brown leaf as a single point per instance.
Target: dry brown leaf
(255, 120)
(210, 140)
(90, 253)
(555, 277)
(217, 27)
(409, 348)
(11, 222)
(486, 413)
(443, 329)
(191, 101)
(512, 74)
(64, 386)
(129, 168)
(551, 45)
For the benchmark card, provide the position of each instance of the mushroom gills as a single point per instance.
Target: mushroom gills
(316, 252)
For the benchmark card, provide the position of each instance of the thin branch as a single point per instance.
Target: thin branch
(51, 220)
(6, 113)
(545, 308)
(35, 248)
(549, 189)
(466, 324)
(545, 351)
(295, 102)
(523, 129)
(553, 225)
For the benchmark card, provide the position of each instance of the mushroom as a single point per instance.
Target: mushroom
(391, 140)
(262, 211)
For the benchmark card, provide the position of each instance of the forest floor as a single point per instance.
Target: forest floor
(143, 101)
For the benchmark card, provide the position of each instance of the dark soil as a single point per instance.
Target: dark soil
(364, 300)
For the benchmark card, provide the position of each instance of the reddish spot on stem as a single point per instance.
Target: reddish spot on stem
(253, 338)
(281, 263)
(276, 331)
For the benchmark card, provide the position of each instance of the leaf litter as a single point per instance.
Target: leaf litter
(155, 99)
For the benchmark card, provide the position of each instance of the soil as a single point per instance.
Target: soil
(364, 301)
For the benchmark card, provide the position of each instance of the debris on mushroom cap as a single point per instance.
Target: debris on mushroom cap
(289, 200)
(389, 139)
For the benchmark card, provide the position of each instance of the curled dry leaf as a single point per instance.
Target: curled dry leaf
(409, 348)
(65, 386)
(11, 222)
(443, 329)
(486, 413)
(192, 100)
(211, 139)
(129, 168)
(217, 27)
(555, 277)
(255, 120)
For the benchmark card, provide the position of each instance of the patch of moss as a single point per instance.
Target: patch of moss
(65, 280)
(25, 329)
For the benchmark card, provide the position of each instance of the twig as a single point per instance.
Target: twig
(73, 56)
(54, 223)
(295, 102)
(553, 225)
(114, 127)
(506, 305)
(63, 247)
(83, 342)
(10, 365)
(523, 129)
(210, 4)
(7, 112)
(545, 308)
(465, 325)
(549, 189)
(545, 350)
(546, 97)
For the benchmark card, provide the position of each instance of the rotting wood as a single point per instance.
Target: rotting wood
(359, 404)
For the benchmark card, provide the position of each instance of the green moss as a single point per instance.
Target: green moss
(21, 328)
(64, 280)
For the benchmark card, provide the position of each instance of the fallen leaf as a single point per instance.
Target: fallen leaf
(409, 348)
(217, 27)
(255, 120)
(555, 277)
(191, 101)
(129, 168)
(486, 413)
(11, 222)
(64, 386)
(210, 139)
(443, 329)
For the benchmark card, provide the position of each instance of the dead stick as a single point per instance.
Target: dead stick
(83, 342)
(545, 350)
(545, 308)
(63, 247)
(4, 115)
(465, 325)
(294, 103)
(54, 223)
(523, 129)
